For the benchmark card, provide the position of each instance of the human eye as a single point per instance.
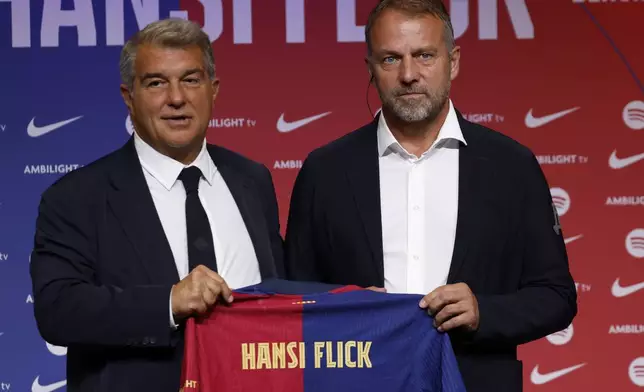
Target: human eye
(389, 60)
(155, 83)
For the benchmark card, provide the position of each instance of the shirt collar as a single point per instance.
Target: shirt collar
(165, 169)
(450, 130)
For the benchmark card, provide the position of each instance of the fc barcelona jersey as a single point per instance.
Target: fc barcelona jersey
(291, 336)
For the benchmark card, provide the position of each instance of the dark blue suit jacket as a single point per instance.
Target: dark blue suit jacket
(508, 249)
(102, 269)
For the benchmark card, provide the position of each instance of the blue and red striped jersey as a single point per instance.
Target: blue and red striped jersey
(296, 337)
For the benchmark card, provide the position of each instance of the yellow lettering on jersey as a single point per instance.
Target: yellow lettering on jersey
(256, 356)
(263, 356)
(340, 354)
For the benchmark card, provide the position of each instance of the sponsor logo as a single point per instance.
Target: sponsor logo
(289, 164)
(30, 299)
(58, 351)
(51, 169)
(3, 127)
(561, 200)
(231, 122)
(619, 291)
(5, 386)
(625, 201)
(561, 159)
(542, 378)
(635, 243)
(633, 115)
(284, 126)
(619, 163)
(4, 256)
(36, 131)
(532, 121)
(483, 118)
(83, 21)
(636, 371)
(573, 239)
(562, 337)
(37, 387)
(626, 329)
(582, 287)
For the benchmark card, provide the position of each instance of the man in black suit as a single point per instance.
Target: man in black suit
(422, 201)
(160, 230)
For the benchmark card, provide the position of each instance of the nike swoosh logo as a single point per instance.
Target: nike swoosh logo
(285, 126)
(619, 163)
(35, 131)
(622, 291)
(538, 378)
(571, 239)
(535, 122)
(36, 387)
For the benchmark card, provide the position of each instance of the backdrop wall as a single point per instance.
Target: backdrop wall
(563, 77)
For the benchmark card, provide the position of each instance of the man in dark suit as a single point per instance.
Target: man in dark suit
(160, 230)
(422, 201)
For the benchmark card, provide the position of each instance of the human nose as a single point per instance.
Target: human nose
(176, 95)
(408, 70)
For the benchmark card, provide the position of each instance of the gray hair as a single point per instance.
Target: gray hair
(413, 8)
(168, 33)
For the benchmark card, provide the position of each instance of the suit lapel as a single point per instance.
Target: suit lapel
(132, 204)
(241, 187)
(364, 177)
(469, 189)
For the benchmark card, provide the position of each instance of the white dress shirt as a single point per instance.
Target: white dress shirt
(236, 260)
(419, 205)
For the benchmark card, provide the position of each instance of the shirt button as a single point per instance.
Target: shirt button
(416, 257)
(416, 208)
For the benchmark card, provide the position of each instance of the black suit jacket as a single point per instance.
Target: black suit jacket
(508, 248)
(102, 269)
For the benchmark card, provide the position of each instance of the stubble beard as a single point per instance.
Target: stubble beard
(416, 109)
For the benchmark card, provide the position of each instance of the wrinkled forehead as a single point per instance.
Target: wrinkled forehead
(399, 32)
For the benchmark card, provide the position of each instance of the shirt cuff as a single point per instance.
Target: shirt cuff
(173, 325)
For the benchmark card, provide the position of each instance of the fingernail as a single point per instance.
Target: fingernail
(422, 303)
(440, 329)
(230, 299)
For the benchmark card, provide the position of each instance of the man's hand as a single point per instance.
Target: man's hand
(378, 289)
(198, 292)
(452, 305)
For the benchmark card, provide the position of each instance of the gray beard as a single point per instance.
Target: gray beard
(413, 110)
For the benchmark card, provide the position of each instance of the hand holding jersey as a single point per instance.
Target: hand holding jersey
(452, 306)
(198, 292)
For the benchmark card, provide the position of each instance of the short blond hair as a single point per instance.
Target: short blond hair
(167, 33)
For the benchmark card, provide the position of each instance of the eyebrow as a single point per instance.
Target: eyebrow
(162, 76)
(387, 52)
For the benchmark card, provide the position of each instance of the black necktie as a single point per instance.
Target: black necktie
(200, 243)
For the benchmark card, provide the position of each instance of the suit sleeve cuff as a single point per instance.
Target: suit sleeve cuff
(173, 325)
